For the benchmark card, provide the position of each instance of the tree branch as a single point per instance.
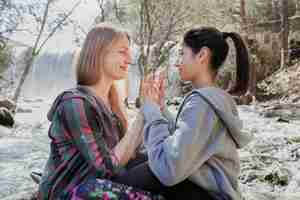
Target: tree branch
(35, 46)
(58, 26)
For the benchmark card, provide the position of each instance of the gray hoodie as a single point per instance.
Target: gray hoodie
(201, 144)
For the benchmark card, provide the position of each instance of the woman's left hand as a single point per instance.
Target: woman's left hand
(154, 90)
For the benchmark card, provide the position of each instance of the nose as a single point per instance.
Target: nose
(179, 61)
(178, 65)
(128, 58)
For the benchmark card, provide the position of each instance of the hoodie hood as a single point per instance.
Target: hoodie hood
(71, 93)
(225, 107)
(80, 92)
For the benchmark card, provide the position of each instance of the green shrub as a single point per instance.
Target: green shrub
(5, 55)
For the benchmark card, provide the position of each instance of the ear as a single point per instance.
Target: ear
(203, 55)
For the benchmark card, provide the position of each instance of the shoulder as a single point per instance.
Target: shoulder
(193, 104)
(76, 102)
(218, 98)
(193, 99)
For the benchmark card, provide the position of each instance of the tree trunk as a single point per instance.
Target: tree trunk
(36, 48)
(28, 65)
(245, 31)
(297, 8)
(30, 60)
(243, 16)
(284, 33)
(276, 16)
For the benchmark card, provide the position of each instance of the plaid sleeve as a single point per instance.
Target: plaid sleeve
(80, 119)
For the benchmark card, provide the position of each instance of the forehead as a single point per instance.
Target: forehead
(186, 49)
(121, 42)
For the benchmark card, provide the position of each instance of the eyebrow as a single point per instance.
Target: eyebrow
(125, 48)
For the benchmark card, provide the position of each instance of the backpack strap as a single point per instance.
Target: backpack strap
(214, 109)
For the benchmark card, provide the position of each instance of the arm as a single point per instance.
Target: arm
(80, 120)
(173, 158)
(126, 148)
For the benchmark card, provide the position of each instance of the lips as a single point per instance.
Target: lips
(125, 68)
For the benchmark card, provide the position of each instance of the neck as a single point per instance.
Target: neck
(101, 89)
(204, 81)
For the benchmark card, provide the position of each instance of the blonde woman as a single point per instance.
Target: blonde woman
(90, 142)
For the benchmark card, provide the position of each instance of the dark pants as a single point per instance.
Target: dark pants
(140, 175)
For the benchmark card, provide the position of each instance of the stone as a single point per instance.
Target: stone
(6, 118)
(7, 103)
(23, 110)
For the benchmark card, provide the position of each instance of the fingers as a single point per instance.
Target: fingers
(153, 87)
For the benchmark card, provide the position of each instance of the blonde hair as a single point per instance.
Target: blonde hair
(91, 60)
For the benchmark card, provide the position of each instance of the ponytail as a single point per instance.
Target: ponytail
(242, 62)
(215, 40)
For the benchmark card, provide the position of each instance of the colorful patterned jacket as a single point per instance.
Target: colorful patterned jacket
(83, 133)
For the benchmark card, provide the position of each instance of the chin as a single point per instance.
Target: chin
(183, 78)
(117, 78)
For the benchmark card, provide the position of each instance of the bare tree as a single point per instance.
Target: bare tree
(113, 11)
(297, 8)
(102, 14)
(11, 15)
(158, 23)
(284, 33)
(40, 43)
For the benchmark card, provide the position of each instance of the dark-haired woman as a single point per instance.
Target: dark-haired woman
(196, 156)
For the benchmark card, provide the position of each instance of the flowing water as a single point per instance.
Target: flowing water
(26, 147)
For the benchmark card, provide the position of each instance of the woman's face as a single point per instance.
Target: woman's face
(188, 66)
(117, 59)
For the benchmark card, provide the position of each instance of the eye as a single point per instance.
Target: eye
(123, 52)
(180, 52)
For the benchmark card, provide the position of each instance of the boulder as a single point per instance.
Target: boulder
(7, 103)
(24, 110)
(6, 118)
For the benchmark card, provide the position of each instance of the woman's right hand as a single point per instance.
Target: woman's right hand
(162, 83)
(154, 88)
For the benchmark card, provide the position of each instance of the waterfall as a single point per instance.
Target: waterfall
(51, 73)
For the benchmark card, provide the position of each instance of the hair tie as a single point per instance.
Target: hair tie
(225, 35)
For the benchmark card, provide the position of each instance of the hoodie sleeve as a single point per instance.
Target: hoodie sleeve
(171, 119)
(80, 121)
(173, 158)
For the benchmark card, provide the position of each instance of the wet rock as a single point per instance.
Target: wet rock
(283, 120)
(275, 179)
(6, 118)
(23, 110)
(7, 103)
(33, 100)
(278, 177)
(138, 102)
(245, 99)
(285, 112)
(175, 101)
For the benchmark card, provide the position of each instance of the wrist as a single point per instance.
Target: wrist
(162, 107)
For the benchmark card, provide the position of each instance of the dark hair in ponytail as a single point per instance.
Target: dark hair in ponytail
(215, 40)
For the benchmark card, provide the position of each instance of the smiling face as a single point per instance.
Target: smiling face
(117, 59)
(105, 56)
